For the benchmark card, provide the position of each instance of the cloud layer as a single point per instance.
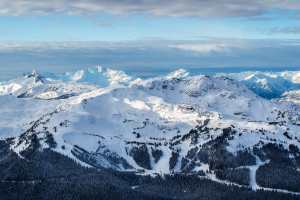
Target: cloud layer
(204, 8)
(151, 54)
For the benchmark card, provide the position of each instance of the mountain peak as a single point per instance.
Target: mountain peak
(178, 74)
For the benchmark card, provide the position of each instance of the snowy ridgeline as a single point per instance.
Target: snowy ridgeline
(170, 124)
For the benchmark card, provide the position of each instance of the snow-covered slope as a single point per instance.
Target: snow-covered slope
(171, 124)
(38, 87)
(291, 96)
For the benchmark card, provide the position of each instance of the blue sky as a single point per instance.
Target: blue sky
(116, 27)
(139, 33)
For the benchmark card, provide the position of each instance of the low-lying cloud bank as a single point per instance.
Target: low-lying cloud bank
(154, 53)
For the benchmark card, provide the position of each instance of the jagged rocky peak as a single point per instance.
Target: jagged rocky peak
(36, 76)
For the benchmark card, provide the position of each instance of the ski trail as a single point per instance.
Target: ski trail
(253, 169)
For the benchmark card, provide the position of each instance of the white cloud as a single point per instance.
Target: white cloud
(202, 48)
(211, 46)
(156, 7)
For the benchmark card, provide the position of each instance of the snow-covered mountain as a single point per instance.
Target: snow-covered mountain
(215, 127)
(268, 84)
